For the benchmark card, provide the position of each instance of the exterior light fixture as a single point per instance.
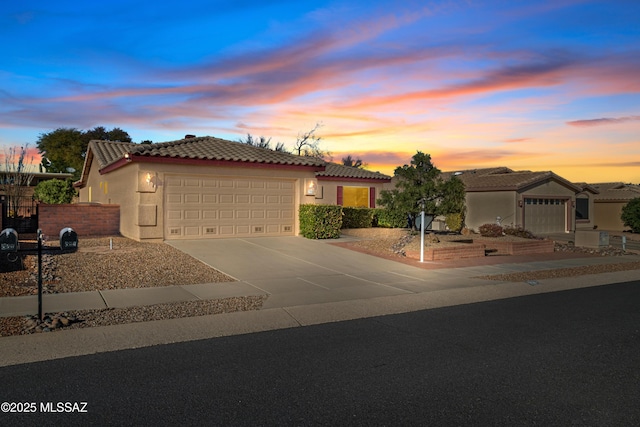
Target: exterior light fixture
(127, 157)
(311, 187)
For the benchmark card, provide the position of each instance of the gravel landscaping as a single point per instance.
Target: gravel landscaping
(118, 263)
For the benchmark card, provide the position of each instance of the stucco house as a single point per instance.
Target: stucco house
(541, 202)
(609, 201)
(206, 187)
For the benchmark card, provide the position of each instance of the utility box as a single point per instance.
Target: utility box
(68, 239)
(9, 240)
(592, 239)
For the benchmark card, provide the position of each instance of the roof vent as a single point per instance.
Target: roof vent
(189, 136)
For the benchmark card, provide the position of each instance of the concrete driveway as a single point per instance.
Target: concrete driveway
(299, 271)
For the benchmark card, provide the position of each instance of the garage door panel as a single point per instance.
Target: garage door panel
(192, 198)
(212, 207)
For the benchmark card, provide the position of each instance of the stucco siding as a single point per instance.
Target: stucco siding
(607, 215)
(484, 207)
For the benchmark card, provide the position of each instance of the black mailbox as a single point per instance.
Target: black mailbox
(9, 240)
(68, 239)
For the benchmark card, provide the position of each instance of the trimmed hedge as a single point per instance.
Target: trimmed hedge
(357, 217)
(320, 221)
(388, 219)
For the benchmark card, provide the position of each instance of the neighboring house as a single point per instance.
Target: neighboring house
(541, 202)
(205, 187)
(611, 198)
(350, 186)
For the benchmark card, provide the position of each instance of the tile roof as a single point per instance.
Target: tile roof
(504, 179)
(616, 191)
(202, 148)
(334, 170)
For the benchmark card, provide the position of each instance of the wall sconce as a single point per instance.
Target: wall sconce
(311, 187)
(127, 157)
(148, 178)
(519, 203)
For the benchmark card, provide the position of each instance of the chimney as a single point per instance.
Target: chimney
(189, 136)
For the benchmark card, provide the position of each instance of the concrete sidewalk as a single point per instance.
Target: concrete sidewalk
(307, 282)
(298, 272)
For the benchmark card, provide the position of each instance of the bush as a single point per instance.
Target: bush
(357, 217)
(389, 219)
(55, 191)
(518, 232)
(320, 221)
(631, 215)
(454, 221)
(491, 230)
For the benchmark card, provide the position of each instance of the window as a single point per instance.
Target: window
(355, 197)
(582, 208)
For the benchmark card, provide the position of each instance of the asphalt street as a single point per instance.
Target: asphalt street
(563, 358)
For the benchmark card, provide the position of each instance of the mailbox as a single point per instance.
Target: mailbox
(68, 239)
(9, 240)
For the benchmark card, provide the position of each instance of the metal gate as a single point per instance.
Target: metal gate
(19, 213)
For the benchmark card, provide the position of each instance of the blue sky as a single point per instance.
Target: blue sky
(539, 85)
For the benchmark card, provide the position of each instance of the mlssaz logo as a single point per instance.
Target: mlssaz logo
(63, 407)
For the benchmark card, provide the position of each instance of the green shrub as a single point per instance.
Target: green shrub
(389, 219)
(320, 221)
(490, 230)
(454, 221)
(631, 215)
(357, 217)
(55, 191)
(518, 232)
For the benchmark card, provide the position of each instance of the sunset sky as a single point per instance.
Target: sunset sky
(536, 85)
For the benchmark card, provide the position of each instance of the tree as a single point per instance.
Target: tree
(262, 142)
(421, 182)
(55, 191)
(631, 215)
(349, 161)
(15, 177)
(63, 150)
(308, 144)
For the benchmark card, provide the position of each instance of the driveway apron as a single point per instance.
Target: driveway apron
(297, 271)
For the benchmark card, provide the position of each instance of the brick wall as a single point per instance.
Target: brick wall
(85, 219)
(521, 248)
(470, 250)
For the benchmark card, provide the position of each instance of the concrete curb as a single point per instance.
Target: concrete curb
(68, 343)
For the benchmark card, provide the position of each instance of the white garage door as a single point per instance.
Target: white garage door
(217, 207)
(545, 215)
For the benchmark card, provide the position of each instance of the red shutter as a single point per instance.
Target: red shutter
(372, 197)
(339, 196)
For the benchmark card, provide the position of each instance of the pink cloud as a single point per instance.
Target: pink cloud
(603, 121)
(513, 140)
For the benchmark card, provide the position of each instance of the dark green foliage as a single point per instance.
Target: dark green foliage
(55, 191)
(388, 218)
(422, 181)
(65, 148)
(357, 217)
(518, 232)
(491, 230)
(320, 221)
(454, 221)
(631, 215)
